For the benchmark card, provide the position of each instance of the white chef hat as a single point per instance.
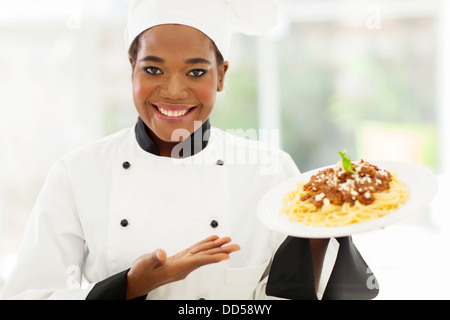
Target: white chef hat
(218, 19)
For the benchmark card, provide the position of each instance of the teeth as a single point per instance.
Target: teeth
(171, 113)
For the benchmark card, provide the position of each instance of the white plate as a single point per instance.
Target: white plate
(421, 182)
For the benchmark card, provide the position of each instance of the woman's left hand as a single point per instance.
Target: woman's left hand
(153, 270)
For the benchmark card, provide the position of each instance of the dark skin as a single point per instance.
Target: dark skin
(176, 69)
(175, 78)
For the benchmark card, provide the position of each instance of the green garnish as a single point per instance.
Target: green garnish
(346, 162)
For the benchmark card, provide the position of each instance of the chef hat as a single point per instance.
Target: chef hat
(218, 19)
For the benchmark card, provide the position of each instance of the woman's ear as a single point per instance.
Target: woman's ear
(132, 63)
(222, 71)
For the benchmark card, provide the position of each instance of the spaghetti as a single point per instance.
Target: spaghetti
(337, 196)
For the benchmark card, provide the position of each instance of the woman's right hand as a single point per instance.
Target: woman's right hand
(153, 270)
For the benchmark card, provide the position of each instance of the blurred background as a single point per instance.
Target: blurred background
(369, 77)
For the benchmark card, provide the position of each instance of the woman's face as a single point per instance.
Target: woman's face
(175, 79)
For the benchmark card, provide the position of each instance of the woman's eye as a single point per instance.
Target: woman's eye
(153, 70)
(196, 73)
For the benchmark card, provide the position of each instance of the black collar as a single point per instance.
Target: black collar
(196, 142)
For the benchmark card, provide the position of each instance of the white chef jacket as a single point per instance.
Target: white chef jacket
(109, 202)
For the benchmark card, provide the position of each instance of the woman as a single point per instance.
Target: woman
(172, 180)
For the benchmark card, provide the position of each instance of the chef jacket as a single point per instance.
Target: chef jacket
(113, 200)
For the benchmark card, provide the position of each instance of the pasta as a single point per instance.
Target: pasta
(337, 197)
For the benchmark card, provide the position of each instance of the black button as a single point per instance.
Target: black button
(201, 298)
(124, 222)
(214, 224)
(126, 165)
(220, 162)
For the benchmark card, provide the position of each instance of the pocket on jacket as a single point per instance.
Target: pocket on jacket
(243, 281)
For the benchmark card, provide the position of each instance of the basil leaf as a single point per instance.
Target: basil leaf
(346, 162)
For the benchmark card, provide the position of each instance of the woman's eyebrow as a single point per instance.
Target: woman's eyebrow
(188, 61)
(197, 60)
(152, 58)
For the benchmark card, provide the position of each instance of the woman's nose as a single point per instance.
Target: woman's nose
(174, 88)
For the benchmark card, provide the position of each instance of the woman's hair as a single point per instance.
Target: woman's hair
(136, 45)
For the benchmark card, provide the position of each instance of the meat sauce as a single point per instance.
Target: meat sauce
(337, 186)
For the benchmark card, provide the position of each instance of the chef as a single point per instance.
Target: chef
(167, 208)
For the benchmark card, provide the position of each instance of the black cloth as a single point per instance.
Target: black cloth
(112, 288)
(351, 278)
(196, 142)
(291, 274)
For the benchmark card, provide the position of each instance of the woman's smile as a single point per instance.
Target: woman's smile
(173, 113)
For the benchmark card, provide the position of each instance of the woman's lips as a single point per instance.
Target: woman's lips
(173, 113)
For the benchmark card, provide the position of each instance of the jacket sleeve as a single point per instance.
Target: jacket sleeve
(50, 262)
(351, 278)
(291, 275)
(112, 288)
